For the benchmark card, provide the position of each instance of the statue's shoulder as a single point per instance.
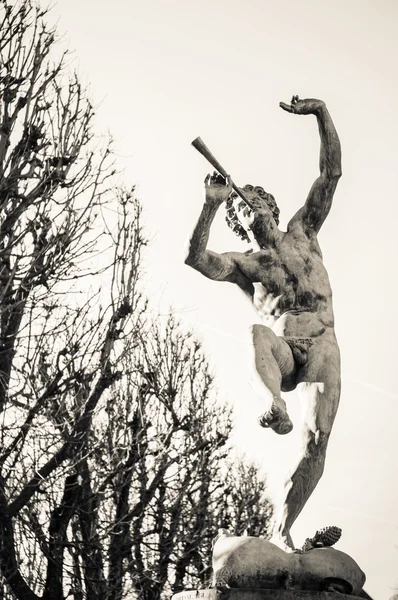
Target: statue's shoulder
(296, 228)
(304, 237)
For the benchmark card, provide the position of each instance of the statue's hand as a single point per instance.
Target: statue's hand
(218, 189)
(308, 106)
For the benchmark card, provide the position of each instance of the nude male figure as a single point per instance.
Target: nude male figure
(286, 280)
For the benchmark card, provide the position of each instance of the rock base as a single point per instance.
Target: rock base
(258, 594)
(249, 563)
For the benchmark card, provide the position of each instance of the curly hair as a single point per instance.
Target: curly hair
(232, 217)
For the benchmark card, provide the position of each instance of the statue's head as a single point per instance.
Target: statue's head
(241, 218)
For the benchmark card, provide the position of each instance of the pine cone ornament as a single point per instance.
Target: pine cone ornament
(328, 536)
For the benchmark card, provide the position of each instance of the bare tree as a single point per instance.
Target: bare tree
(113, 447)
(162, 479)
(176, 427)
(61, 340)
(229, 495)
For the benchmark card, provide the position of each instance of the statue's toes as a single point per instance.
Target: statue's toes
(283, 427)
(277, 420)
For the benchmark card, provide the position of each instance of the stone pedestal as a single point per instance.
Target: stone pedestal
(249, 568)
(250, 563)
(258, 594)
(281, 595)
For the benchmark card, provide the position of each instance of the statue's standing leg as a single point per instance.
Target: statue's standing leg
(318, 387)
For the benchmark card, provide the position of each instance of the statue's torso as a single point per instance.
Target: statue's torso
(292, 292)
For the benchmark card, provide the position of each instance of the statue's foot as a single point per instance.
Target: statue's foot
(277, 419)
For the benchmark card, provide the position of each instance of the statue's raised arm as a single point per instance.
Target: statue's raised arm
(207, 262)
(319, 201)
(220, 267)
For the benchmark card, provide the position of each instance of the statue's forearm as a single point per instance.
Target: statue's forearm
(330, 155)
(200, 236)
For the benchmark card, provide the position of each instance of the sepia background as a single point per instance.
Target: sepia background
(162, 72)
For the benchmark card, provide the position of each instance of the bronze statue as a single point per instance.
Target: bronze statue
(286, 280)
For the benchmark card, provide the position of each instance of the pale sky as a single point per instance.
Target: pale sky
(164, 72)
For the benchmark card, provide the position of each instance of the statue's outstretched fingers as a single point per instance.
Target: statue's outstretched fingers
(286, 107)
(295, 99)
(207, 179)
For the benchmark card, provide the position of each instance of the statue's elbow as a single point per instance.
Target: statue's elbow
(190, 260)
(195, 261)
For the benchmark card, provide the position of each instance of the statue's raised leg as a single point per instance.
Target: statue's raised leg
(276, 369)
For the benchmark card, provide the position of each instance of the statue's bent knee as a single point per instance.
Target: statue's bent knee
(262, 333)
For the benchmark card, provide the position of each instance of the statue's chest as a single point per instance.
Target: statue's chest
(278, 278)
(278, 272)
